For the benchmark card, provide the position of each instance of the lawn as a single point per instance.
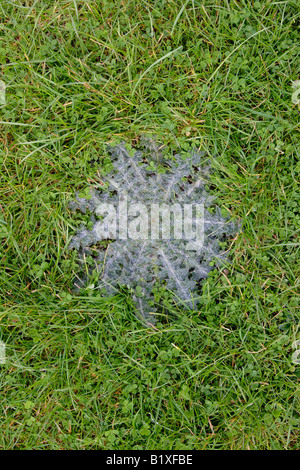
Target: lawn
(80, 370)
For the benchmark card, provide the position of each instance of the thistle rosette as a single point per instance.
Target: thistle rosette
(159, 190)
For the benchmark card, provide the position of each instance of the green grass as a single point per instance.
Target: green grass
(81, 372)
